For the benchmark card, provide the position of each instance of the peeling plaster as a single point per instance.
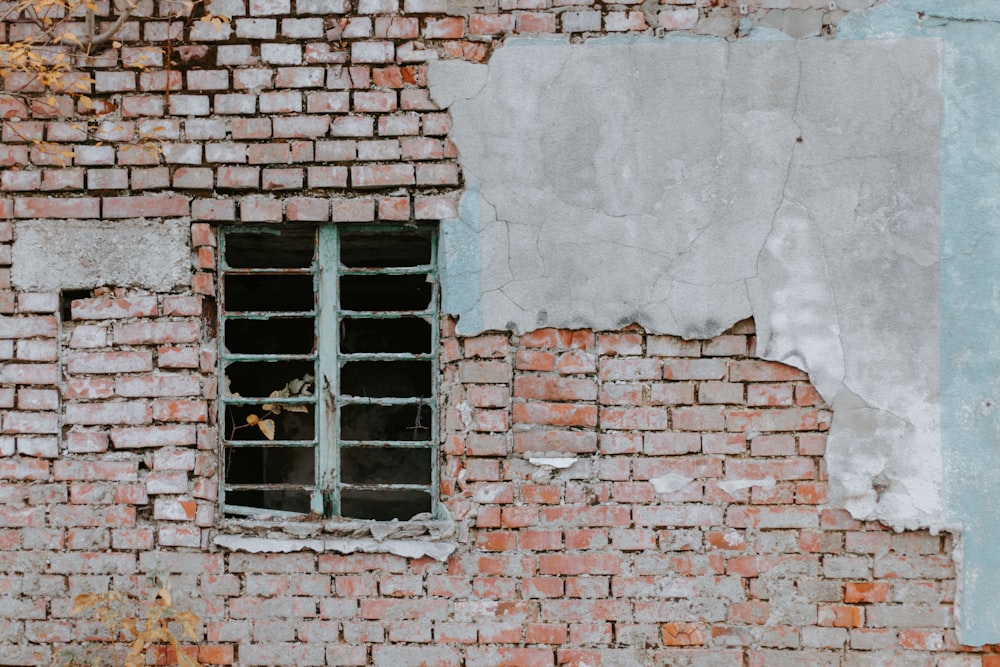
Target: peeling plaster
(670, 483)
(552, 462)
(687, 186)
(969, 31)
(731, 486)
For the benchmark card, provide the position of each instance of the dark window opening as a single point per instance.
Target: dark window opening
(406, 334)
(376, 293)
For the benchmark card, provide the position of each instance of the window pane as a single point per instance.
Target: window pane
(384, 504)
(270, 465)
(385, 422)
(285, 500)
(384, 250)
(385, 465)
(275, 293)
(292, 248)
(273, 336)
(406, 334)
(407, 292)
(257, 379)
(288, 425)
(386, 378)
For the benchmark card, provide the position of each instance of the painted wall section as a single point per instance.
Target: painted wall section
(969, 31)
(804, 192)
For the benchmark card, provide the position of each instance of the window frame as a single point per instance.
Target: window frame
(326, 492)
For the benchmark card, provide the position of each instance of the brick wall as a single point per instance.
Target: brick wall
(651, 548)
(680, 518)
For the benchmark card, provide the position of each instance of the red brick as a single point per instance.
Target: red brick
(841, 616)
(630, 369)
(684, 634)
(382, 176)
(28, 327)
(353, 210)
(788, 419)
(532, 360)
(157, 333)
(145, 207)
(641, 419)
(102, 308)
(694, 369)
(62, 209)
(555, 414)
(865, 591)
(491, 656)
(490, 24)
(770, 394)
(756, 370)
(554, 388)
(444, 28)
(109, 362)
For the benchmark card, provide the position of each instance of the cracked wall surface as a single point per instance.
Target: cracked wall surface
(686, 186)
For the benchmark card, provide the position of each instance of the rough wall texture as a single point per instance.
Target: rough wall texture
(610, 508)
(792, 195)
(610, 511)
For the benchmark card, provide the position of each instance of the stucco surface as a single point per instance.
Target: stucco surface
(969, 31)
(73, 254)
(686, 186)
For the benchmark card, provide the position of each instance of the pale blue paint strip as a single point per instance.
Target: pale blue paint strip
(970, 290)
(460, 264)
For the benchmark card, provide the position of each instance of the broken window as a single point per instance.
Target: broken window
(329, 339)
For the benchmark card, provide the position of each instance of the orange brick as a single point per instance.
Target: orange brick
(684, 634)
(841, 616)
(865, 591)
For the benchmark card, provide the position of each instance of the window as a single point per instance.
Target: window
(329, 337)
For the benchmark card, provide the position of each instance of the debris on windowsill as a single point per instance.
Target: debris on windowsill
(416, 538)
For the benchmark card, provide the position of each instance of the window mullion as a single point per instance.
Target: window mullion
(327, 332)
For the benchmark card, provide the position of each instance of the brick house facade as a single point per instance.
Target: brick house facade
(603, 497)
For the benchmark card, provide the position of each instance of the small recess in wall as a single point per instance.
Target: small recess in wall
(66, 301)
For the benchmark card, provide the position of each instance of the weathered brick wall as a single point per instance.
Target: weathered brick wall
(318, 111)
(582, 565)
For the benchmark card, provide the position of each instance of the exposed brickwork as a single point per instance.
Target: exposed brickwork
(692, 528)
(585, 565)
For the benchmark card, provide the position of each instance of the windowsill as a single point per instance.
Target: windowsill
(416, 538)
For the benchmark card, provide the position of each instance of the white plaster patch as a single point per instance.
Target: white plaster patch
(552, 461)
(686, 186)
(52, 255)
(670, 483)
(731, 486)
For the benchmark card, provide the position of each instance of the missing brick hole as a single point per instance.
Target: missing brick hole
(67, 297)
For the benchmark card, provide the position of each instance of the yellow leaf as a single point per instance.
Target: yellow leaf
(266, 427)
(297, 408)
(252, 419)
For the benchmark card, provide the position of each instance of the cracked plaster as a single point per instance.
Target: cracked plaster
(685, 186)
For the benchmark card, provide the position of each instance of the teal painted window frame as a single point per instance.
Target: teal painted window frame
(326, 401)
